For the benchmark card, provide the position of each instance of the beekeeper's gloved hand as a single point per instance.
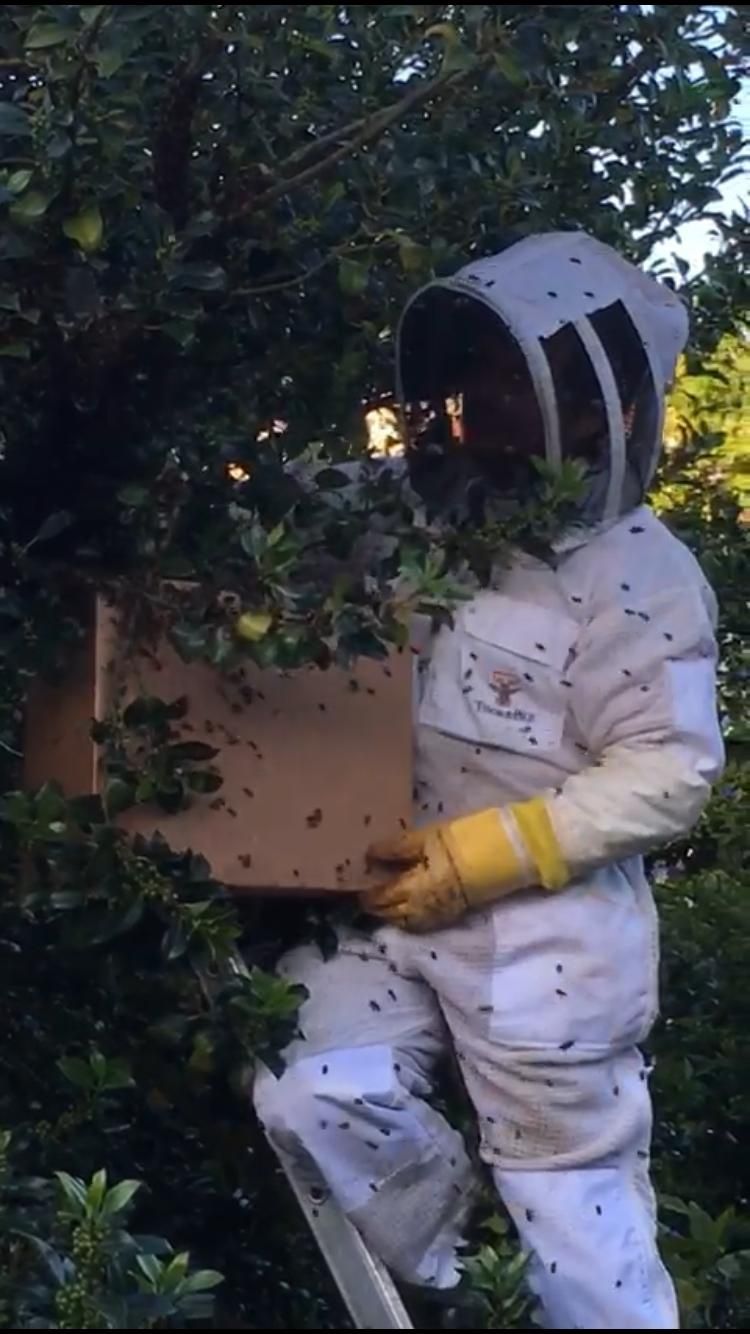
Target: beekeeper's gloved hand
(442, 872)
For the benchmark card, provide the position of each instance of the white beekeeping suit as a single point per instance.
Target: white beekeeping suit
(566, 725)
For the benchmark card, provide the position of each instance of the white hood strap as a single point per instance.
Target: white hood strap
(613, 408)
(660, 387)
(544, 387)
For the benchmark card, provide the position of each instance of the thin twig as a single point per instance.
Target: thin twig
(90, 38)
(297, 281)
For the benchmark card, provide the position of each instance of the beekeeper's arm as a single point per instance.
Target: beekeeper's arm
(643, 699)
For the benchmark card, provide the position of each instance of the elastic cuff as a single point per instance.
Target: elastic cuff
(486, 861)
(535, 827)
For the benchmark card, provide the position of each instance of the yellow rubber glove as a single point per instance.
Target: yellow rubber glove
(447, 870)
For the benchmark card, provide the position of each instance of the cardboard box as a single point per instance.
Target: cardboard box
(315, 763)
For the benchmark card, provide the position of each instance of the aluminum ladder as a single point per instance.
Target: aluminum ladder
(366, 1288)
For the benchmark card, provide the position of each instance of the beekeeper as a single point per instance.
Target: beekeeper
(566, 726)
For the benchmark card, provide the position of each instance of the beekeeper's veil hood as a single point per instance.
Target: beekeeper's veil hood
(596, 338)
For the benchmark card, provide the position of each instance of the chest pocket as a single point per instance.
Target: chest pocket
(497, 678)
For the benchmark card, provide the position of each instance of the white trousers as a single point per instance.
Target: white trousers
(565, 1131)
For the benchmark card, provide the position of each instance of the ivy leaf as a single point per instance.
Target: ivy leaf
(353, 277)
(13, 120)
(200, 277)
(510, 68)
(171, 797)
(99, 928)
(46, 35)
(119, 796)
(31, 207)
(18, 350)
(177, 709)
(197, 751)
(86, 228)
(253, 626)
(204, 783)
(412, 255)
(64, 900)
(19, 180)
(53, 525)
(175, 942)
(90, 13)
(77, 1072)
(87, 809)
(145, 711)
(109, 61)
(134, 495)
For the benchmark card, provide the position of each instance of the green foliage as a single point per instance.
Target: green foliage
(701, 1049)
(711, 1272)
(209, 219)
(711, 403)
(68, 1261)
(147, 762)
(495, 1272)
(175, 173)
(128, 1035)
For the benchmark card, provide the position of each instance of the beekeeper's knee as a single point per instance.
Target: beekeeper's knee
(288, 1104)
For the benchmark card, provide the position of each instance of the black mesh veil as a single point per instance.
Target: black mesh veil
(593, 397)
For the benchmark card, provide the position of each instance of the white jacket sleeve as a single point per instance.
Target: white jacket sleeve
(644, 701)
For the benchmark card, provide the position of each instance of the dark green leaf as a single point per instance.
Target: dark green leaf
(175, 942)
(171, 797)
(134, 495)
(77, 1072)
(119, 1197)
(145, 711)
(200, 277)
(53, 1261)
(86, 228)
(196, 751)
(177, 709)
(510, 68)
(99, 927)
(87, 809)
(45, 35)
(64, 900)
(13, 120)
(353, 277)
(53, 525)
(119, 796)
(204, 781)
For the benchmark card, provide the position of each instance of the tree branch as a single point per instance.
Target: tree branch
(370, 129)
(308, 153)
